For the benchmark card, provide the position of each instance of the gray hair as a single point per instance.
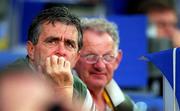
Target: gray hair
(103, 25)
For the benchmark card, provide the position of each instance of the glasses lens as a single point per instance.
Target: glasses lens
(108, 58)
(91, 58)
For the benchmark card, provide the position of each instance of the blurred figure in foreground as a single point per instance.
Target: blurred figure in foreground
(23, 90)
(164, 18)
(99, 58)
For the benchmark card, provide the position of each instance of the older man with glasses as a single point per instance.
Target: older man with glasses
(99, 58)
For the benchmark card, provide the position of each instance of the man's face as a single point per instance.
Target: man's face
(96, 74)
(165, 21)
(58, 39)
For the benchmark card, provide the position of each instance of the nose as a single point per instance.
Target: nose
(60, 50)
(100, 65)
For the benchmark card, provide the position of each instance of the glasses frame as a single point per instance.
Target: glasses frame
(97, 57)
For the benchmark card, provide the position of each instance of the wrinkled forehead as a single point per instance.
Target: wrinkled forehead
(97, 42)
(95, 37)
(62, 26)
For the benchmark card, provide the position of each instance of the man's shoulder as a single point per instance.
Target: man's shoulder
(83, 94)
(119, 99)
(126, 105)
(79, 86)
(21, 63)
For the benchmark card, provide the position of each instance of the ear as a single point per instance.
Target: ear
(118, 59)
(30, 50)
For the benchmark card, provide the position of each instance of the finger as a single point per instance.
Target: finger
(48, 65)
(67, 65)
(54, 64)
(61, 61)
(54, 60)
(67, 68)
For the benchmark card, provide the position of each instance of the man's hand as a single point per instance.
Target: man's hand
(59, 70)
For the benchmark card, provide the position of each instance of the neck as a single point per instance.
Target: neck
(98, 99)
(96, 93)
(31, 65)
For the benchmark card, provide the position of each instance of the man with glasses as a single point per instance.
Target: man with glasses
(99, 58)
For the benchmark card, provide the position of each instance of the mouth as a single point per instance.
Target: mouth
(97, 73)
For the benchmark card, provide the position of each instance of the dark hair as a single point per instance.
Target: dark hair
(154, 5)
(52, 15)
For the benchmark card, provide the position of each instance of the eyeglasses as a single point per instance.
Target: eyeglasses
(92, 58)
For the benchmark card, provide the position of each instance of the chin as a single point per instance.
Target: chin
(98, 83)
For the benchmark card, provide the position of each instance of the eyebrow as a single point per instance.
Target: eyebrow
(70, 40)
(52, 38)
